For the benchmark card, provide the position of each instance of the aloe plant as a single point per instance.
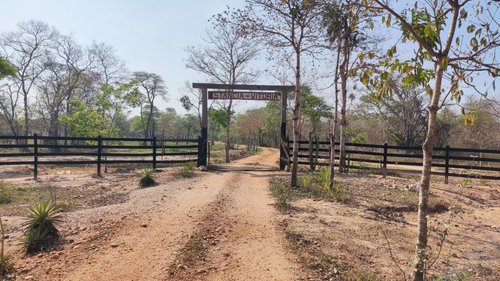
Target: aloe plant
(40, 228)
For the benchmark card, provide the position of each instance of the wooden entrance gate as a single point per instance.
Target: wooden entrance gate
(241, 92)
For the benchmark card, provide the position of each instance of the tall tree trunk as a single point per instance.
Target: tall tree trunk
(228, 129)
(227, 146)
(343, 121)
(148, 123)
(333, 135)
(26, 116)
(296, 122)
(427, 149)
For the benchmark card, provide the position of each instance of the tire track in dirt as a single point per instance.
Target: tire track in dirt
(238, 237)
(229, 213)
(143, 250)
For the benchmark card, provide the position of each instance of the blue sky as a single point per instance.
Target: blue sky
(149, 35)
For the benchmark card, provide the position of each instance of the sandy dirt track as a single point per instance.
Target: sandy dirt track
(230, 212)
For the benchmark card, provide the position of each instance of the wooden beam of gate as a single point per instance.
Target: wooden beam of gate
(242, 87)
(221, 95)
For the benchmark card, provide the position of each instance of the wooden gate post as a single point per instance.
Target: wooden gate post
(202, 152)
(446, 164)
(154, 153)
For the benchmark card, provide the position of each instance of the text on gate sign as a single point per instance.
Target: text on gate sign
(243, 96)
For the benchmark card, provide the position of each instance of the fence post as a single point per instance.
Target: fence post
(446, 163)
(154, 153)
(384, 169)
(35, 156)
(199, 151)
(99, 154)
(209, 151)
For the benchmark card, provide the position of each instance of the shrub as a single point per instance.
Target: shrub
(146, 177)
(40, 228)
(187, 170)
(339, 194)
(280, 191)
(324, 177)
(305, 182)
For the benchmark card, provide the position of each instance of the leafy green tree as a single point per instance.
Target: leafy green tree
(450, 38)
(112, 101)
(272, 123)
(100, 117)
(314, 108)
(6, 69)
(87, 121)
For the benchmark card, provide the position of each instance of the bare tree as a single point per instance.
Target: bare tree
(108, 66)
(191, 100)
(68, 74)
(154, 87)
(25, 48)
(224, 59)
(292, 26)
(404, 112)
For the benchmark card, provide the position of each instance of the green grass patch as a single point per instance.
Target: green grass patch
(10, 194)
(187, 170)
(5, 193)
(194, 251)
(313, 185)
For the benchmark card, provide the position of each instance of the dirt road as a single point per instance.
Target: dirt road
(220, 226)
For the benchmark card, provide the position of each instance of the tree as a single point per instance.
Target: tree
(112, 101)
(25, 48)
(480, 129)
(447, 43)
(7, 103)
(99, 118)
(68, 75)
(191, 100)
(153, 86)
(314, 108)
(6, 69)
(404, 113)
(346, 24)
(291, 26)
(166, 124)
(225, 59)
(86, 121)
(271, 126)
(250, 126)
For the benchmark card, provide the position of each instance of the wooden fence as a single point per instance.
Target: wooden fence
(447, 161)
(43, 150)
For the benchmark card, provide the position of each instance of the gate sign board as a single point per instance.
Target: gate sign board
(220, 95)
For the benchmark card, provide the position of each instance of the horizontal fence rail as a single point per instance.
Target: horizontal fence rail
(447, 161)
(46, 150)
